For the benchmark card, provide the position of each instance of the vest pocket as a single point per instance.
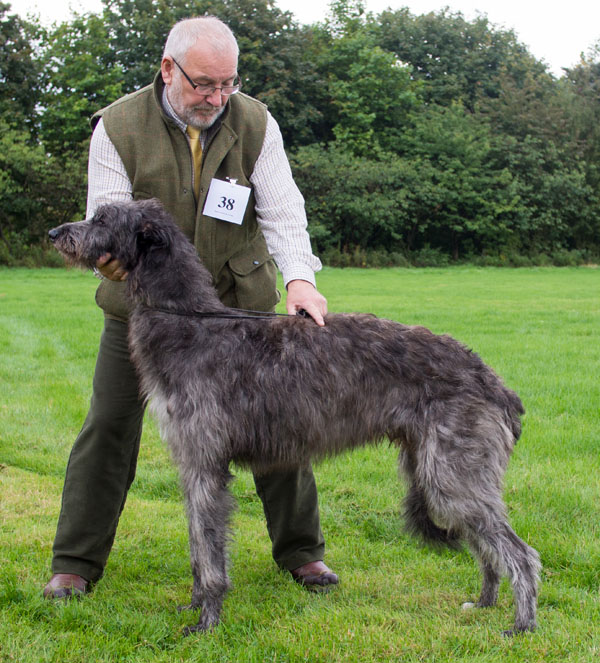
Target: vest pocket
(255, 278)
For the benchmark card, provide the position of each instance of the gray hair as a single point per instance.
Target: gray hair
(211, 30)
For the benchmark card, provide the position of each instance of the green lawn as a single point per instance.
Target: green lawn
(397, 601)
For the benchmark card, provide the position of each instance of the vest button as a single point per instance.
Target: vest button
(255, 262)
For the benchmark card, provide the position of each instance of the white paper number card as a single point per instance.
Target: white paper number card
(226, 201)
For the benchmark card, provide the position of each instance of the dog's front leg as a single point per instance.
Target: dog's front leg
(209, 505)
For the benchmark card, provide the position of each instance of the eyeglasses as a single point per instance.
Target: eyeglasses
(206, 90)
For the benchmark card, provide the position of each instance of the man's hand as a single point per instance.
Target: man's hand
(304, 295)
(111, 268)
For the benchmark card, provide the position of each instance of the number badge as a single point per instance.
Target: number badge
(226, 201)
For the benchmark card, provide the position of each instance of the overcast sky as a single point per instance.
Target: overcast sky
(556, 32)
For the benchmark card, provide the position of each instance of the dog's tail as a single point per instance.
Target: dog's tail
(419, 523)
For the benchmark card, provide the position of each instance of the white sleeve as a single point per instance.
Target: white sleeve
(107, 178)
(280, 210)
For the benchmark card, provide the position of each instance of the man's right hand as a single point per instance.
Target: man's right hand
(110, 268)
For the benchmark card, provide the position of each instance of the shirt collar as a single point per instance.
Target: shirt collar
(169, 110)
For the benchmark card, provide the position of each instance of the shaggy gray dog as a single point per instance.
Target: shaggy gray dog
(282, 391)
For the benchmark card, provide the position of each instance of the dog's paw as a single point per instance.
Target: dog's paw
(519, 630)
(196, 628)
(468, 605)
(190, 630)
(203, 625)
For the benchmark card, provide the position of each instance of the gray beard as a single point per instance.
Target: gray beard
(190, 118)
(188, 114)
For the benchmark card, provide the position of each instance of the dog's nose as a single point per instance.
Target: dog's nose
(53, 234)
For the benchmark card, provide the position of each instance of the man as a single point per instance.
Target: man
(189, 139)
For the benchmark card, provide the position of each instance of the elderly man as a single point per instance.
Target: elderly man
(193, 142)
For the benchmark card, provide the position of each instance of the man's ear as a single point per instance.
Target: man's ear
(166, 69)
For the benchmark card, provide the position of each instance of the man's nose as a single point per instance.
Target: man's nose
(215, 98)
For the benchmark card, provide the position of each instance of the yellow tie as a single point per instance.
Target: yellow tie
(196, 146)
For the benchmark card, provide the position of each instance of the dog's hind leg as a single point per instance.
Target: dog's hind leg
(209, 505)
(502, 552)
(461, 480)
(489, 589)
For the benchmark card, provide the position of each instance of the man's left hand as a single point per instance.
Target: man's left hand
(304, 295)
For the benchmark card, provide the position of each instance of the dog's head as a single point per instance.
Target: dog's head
(126, 230)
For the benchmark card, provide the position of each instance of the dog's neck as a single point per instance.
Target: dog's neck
(182, 283)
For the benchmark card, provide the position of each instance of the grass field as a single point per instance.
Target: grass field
(397, 601)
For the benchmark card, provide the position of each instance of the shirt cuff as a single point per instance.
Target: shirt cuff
(300, 272)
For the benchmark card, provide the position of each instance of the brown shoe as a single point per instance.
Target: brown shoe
(66, 586)
(315, 576)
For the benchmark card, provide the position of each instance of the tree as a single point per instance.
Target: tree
(370, 203)
(557, 207)
(36, 191)
(137, 30)
(476, 198)
(19, 71)
(371, 94)
(458, 60)
(80, 79)
(276, 67)
(583, 83)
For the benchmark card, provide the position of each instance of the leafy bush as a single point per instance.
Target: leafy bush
(16, 251)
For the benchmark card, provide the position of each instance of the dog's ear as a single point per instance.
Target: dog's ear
(152, 236)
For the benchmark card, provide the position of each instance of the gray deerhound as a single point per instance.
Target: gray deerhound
(279, 391)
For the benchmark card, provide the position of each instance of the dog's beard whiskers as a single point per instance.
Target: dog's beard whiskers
(67, 245)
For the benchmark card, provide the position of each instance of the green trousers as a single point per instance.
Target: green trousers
(102, 467)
